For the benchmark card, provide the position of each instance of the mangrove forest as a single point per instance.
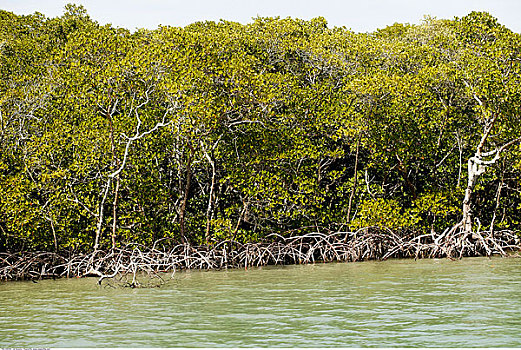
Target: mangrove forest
(222, 144)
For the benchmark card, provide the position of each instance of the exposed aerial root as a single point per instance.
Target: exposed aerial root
(128, 262)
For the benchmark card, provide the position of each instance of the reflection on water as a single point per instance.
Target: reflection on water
(474, 302)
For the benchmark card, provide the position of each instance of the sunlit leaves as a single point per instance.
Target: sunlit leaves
(277, 125)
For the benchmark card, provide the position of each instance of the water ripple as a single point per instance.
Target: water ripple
(400, 303)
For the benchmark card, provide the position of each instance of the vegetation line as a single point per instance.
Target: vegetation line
(128, 263)
(212, 137)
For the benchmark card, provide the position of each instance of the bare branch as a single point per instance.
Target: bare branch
(138, 136)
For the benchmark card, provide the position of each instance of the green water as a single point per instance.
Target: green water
(437, 303)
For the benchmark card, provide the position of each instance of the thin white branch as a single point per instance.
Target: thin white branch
(448, 153)
(138, 136)
(474, 95)
(245, 122)
(77, 201)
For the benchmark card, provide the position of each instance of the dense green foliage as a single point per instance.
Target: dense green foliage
(222, 130)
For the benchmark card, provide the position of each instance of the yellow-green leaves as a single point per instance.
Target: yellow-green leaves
(221, 130)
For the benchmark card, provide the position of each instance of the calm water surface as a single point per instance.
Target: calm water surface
(474, 302)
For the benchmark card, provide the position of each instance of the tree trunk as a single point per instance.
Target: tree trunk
(114, 212)
(54, 237)
(353, 189)
(99, 225)
(406, 179)
(498, 196)
(182, 211)
(476, 167)
(116, 190)
(1, 123)
(209, 210)
(467, 208)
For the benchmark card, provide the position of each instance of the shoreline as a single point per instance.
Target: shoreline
(133, 260)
